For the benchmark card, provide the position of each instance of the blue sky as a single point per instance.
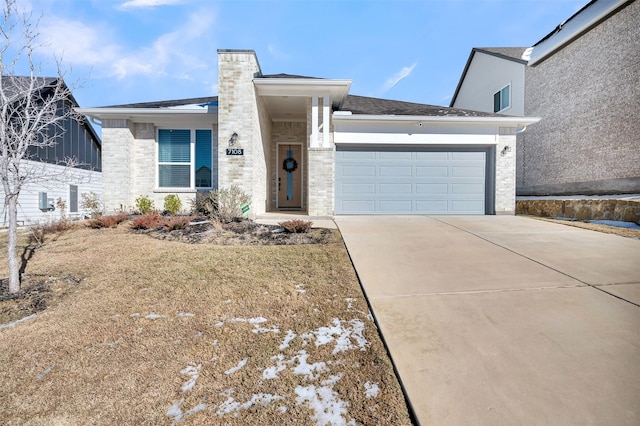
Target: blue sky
(123, 51)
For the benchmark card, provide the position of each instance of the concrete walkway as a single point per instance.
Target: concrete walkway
(504, 320)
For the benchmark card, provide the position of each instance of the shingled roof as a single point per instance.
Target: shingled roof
(169, 103)
(376, 106)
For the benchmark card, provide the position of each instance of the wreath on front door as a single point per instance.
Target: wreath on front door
(290, 165)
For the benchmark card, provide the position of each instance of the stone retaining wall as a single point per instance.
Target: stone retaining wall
(582, 209)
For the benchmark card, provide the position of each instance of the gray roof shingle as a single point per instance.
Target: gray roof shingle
(169, 103)
(376, 106)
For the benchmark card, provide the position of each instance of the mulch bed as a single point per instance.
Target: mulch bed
(244, 232)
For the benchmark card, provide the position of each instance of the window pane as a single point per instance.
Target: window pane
(496, 102)
(175, 176)
(73, 198)
(174, 146)
(505, 98)
(203, 158)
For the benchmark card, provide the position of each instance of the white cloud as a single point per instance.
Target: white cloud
(397, 77)
(180, 53)
(134, 4)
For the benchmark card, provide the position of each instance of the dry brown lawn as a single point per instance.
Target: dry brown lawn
(140, 330)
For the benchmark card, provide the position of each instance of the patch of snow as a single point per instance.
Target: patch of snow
(371, 390)
(282, 409)
(272, 372)
(193, 371)
(327, 407)
(287, 339)
(342, 335)
(153, 316)
(198, 334)
(332, 380)
(135, 315)
(231, 405)
(304, 368)
(175, 411)
(219, 324)
(177, 342)
(14, 323)
(215, 342)
(300, 288)
(185, 315)
(45, 372)
(144, 289)
(227, 301)
(237, 367)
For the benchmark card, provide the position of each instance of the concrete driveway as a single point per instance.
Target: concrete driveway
(504, 320)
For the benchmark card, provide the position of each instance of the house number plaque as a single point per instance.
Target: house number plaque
(235, 151)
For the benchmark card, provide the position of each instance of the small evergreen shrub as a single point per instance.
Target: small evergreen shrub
(148, 221)
(172, 204)
(296, 226)
(144, 205)
(107, 221)
(91, 201)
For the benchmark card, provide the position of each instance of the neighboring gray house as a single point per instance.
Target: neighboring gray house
(51, 180)
(305, 144)
(583, 80)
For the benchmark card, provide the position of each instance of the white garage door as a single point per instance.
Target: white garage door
(409, 181)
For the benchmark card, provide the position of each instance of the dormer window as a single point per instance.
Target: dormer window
(502, 99)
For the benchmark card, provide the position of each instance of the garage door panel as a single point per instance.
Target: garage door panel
(468, 206)
(432, 188)
(358, 171)
(357, 188)
(457, 156)
(395, 188)
(467, 171)
(406, 182)
(432, 171)
(358, 155)
(394, 155)
(394, 171)
(467, 188)
(395, 206)
(359, 206)
(432, 206)
(431, 156)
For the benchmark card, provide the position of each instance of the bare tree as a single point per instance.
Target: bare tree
(33, 111)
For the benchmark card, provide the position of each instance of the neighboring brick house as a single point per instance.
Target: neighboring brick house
(305, 144)
(583, 80)
(50, 180)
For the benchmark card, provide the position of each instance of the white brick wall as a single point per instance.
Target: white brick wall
(506, 172)
(239, 112)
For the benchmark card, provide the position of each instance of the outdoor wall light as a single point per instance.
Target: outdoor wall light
(505, 150)
(234, 139)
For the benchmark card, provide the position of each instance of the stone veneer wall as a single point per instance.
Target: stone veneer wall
(321, 170)
(116, 173)
(582, 209)
(505, 195)
(240, 112)
(587, 94)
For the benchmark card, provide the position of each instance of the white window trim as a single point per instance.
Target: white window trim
(500, 91)
(191, 164)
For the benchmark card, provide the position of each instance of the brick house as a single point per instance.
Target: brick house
(583, 80)
(305, 144)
